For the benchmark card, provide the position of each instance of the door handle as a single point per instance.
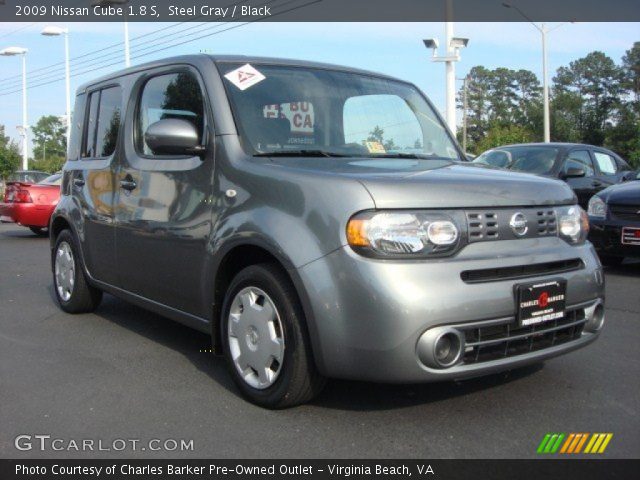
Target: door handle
(78, 182)
(596, 184)
(128, 183)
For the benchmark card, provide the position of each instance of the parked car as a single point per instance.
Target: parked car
(614, 215)
(586, 168)
(245, 198)
(27, 176)
(31, 205)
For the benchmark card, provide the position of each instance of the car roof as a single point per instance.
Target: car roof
(232, 59)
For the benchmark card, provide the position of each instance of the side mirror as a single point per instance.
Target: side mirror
(173, 136)
(574, 172)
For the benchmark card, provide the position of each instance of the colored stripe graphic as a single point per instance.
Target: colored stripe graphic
(544, 443)
(551, 443)
(573, 443)
(598, 443)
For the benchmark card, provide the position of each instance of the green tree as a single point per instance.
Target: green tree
(498, 99)
(504, 135)
(376, 135)
(631, 67)
(49, 144)
(9, 155)
(599, 83)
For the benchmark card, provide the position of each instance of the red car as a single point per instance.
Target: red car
(31, 205)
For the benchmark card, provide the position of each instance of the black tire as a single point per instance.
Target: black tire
(610, 261)
(40, 231)
(298, 380)
(83, 297)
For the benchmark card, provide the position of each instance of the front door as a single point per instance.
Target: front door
(163, 202)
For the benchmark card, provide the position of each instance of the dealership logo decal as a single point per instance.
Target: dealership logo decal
(574, 443)
(518, 224)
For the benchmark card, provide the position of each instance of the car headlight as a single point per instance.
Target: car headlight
(573, 224)
(597, 207)
(403, 233)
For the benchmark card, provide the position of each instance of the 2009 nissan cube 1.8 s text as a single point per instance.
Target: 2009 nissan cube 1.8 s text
(318, 221)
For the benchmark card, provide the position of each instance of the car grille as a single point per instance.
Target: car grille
(488, 342)
(626, 212)
(488, 225)
(521, 271)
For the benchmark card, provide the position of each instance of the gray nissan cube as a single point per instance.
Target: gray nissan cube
(318, 222)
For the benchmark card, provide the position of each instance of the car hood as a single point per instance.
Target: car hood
(402, 183)
(622, 194)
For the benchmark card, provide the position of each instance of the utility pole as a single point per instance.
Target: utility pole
(465, 107)
(452, 55)
(544, 30)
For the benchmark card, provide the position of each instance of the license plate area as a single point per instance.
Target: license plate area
(540, 302)
(631, 236)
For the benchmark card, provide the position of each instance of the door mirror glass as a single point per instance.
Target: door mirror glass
(574, 172)
(172, 136)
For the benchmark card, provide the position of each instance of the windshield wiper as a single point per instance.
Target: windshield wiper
(414, 156)
(299, 153)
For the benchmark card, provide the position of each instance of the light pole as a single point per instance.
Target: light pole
(106, 3)
(544, 30)
(12, 52)
(453, 46)
(53, 31)
(465, 107)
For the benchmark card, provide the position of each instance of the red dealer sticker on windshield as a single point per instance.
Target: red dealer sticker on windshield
(244, 77)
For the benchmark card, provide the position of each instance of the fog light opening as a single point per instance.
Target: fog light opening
(440, 347)
(597, 319)
(447, 349)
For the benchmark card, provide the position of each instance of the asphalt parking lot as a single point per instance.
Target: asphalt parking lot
(124, 373)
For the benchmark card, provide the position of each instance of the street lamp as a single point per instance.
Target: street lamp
(12, 52)
(106, 3)
(53, 31)
(453, 46)
(544, 30)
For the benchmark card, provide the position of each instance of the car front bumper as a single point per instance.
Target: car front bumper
(368, 315)
(606, 236)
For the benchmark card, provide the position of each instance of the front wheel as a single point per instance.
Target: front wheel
(73, 292)
(265, 339)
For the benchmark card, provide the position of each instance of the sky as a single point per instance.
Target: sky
(392, 48)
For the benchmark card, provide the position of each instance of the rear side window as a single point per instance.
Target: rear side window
(108, 121)
(103, 123)
(88, 148)
(174, 95)
(606, 163)
(579, 159)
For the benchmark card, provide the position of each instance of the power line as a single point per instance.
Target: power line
(59, 65)
(109, 47)
(234, 26)
(97, 61)
(24, 27)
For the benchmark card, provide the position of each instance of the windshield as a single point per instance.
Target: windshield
(289, 111)
(27, 176)
(530, 159)
(55, 179)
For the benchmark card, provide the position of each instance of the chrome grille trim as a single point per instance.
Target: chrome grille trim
(493, 224)
(491, 340)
